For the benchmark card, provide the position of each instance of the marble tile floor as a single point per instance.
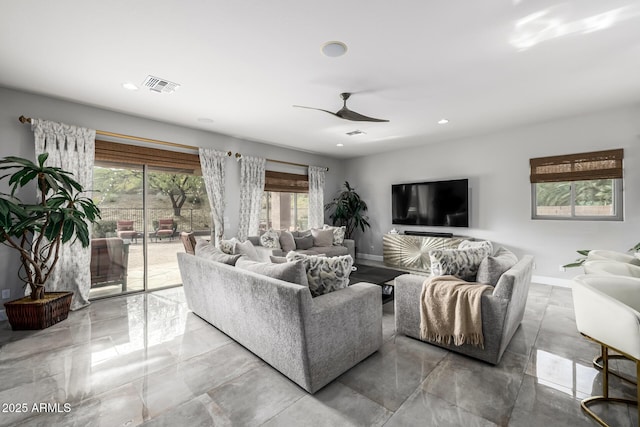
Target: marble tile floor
(146, 360)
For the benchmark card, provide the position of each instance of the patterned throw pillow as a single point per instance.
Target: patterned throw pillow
(338, 233)
(292, 272)
(227, 246)
(462, 263)
(270, 239)
(324, 274)
(208, 251)
(492, 267)
(466, 244)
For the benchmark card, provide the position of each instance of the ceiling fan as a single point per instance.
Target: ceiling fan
(345, 113)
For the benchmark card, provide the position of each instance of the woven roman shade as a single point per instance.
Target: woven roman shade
(577, 167)
(286, 182)
(114, 152)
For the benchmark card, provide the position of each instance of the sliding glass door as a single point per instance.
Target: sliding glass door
(144, 209)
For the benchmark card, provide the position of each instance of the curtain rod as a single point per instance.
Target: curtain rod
(24, 119)
(238, 156)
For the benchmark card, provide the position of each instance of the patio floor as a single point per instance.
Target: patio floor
(162, 267)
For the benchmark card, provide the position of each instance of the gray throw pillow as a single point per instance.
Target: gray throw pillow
(287, 243)
(292, 272)
(324, 274)
(246, 248)
(462, 263)
(303, 243)
(493, 267)
(322, 237)
(208, 251)
(277, 259)
(255, 240)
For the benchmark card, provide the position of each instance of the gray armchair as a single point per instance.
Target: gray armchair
(502, 310)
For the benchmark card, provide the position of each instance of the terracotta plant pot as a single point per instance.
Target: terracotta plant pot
(28, 314)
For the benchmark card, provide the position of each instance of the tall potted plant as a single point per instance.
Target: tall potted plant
(348, 209)
(37, 230)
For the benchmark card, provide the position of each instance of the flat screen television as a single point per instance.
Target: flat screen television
(437, 203)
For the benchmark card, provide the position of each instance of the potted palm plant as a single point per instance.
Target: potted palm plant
(37, 230)
(348, 209)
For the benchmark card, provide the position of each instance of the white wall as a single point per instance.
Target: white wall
(16, 139)
(497, 166)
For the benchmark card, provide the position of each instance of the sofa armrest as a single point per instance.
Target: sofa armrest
(351, 246)
(342, 328)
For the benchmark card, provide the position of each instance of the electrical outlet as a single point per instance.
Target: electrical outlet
(6, 293)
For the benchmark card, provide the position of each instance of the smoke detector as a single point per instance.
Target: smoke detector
(159, 85)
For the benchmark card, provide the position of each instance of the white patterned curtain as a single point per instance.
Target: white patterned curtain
(213, 171)
(316, 196)
(72, 149)
(251, 189)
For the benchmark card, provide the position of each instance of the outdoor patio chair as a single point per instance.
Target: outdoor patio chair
(125, 230)
(189, 242)
(109, 262)
(166, 228)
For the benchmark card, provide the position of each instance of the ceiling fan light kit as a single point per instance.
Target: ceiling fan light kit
(345, 113)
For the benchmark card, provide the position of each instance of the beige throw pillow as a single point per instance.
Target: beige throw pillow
(322, 237)
(270, 239)
(246, 248)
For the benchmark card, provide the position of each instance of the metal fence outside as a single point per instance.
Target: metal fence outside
(189, 219)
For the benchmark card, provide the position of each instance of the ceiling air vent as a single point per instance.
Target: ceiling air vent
(159, 85)
(356, 132)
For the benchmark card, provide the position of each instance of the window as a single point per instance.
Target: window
(586, 186)
(285, 202)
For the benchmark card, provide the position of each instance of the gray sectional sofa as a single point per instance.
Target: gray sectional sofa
(347, 247)
(502, 310)
(310, 340)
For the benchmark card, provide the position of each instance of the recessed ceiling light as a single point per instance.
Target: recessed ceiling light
(443, 121)
(339, 145)
(205, 120)
(334, 49)
(129, 86)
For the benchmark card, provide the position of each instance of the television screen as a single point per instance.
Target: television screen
(437, 203)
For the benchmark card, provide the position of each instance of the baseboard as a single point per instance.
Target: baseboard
(553, 281)
(3, 315)
(370, 257)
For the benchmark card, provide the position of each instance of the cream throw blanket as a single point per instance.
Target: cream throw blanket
(450, 311)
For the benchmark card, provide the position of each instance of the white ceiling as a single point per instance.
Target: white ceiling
(484, 65)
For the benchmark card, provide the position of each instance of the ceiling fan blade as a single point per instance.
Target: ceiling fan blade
(319, 109)
(347, 114)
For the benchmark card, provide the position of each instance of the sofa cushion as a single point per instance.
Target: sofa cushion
(208, 251)
(255, 240)
(325, 274)
(492, 267)
(322, 237)
(277, 259)
(287, 242)
(462, 263)
(246, 248)
(305, 242)
(331, 250)
(270, 239)
(292, 272)
(465, 244)
(338, 233)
